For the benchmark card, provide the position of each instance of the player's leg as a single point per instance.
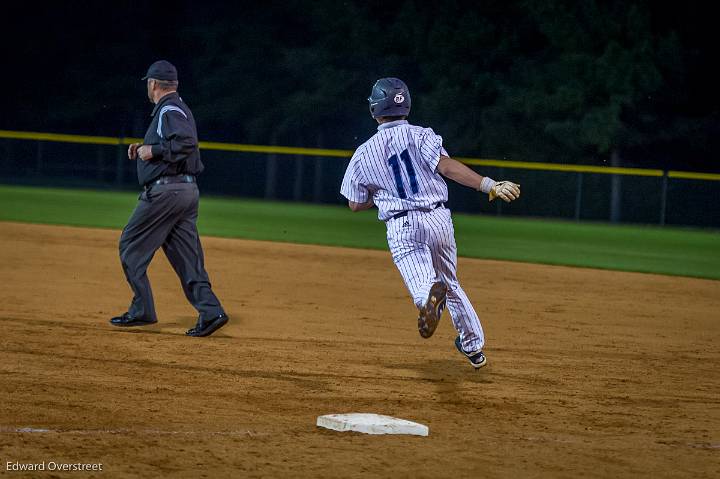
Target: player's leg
(184, 252)
(444, 256)
(407, 241)
(411, 254)
(145, 232)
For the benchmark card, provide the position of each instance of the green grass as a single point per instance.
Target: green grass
(675, 251)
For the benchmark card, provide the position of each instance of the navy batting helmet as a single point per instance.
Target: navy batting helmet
(389, 97)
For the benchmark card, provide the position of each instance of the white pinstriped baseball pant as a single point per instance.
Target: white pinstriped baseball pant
(423, 248)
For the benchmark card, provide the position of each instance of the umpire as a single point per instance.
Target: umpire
(168, 163)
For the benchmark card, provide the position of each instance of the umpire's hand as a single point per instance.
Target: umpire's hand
(132, 151)
(145, 152)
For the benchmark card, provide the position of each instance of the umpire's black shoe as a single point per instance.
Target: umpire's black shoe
(208, 326)
(127, 320)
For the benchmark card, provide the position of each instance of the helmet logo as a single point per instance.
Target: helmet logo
(399, 98)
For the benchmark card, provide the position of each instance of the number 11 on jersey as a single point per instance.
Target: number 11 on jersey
(395, 165)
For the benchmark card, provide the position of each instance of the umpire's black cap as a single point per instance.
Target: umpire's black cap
(162, 70)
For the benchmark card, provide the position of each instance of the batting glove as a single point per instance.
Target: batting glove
(505, 190)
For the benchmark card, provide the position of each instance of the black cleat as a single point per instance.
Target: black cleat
(477, 358)
(126, 321)
(432, 311)
(207, 327)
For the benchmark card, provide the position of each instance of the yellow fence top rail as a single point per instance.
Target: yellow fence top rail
(282, 150)
(32, 135)
(292, 150)
(527, 165)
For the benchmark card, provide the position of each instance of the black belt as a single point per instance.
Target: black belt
(402, 214)
(164, 180)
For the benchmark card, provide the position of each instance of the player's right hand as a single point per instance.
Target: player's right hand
(505, 190)
(132, 151)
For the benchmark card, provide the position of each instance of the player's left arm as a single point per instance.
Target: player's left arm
(354, 186)
(460, 173)
(361, 206)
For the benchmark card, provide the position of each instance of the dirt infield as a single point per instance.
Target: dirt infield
(591, 373)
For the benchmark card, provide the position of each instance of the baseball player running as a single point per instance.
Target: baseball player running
(400, 170)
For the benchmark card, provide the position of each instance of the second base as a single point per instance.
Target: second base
(371, 424)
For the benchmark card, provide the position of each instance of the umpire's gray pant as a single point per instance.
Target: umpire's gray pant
(166, 217)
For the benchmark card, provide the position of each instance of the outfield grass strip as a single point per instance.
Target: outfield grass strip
(663, 250)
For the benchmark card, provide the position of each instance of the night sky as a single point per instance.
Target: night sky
(298, 73)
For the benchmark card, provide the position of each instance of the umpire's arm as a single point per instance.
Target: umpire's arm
(178, 140)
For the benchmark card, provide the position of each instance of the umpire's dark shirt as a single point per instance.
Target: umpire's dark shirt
(174, 141)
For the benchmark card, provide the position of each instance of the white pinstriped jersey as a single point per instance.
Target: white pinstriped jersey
(398, 166)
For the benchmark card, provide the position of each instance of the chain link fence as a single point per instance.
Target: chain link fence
(297, 174)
